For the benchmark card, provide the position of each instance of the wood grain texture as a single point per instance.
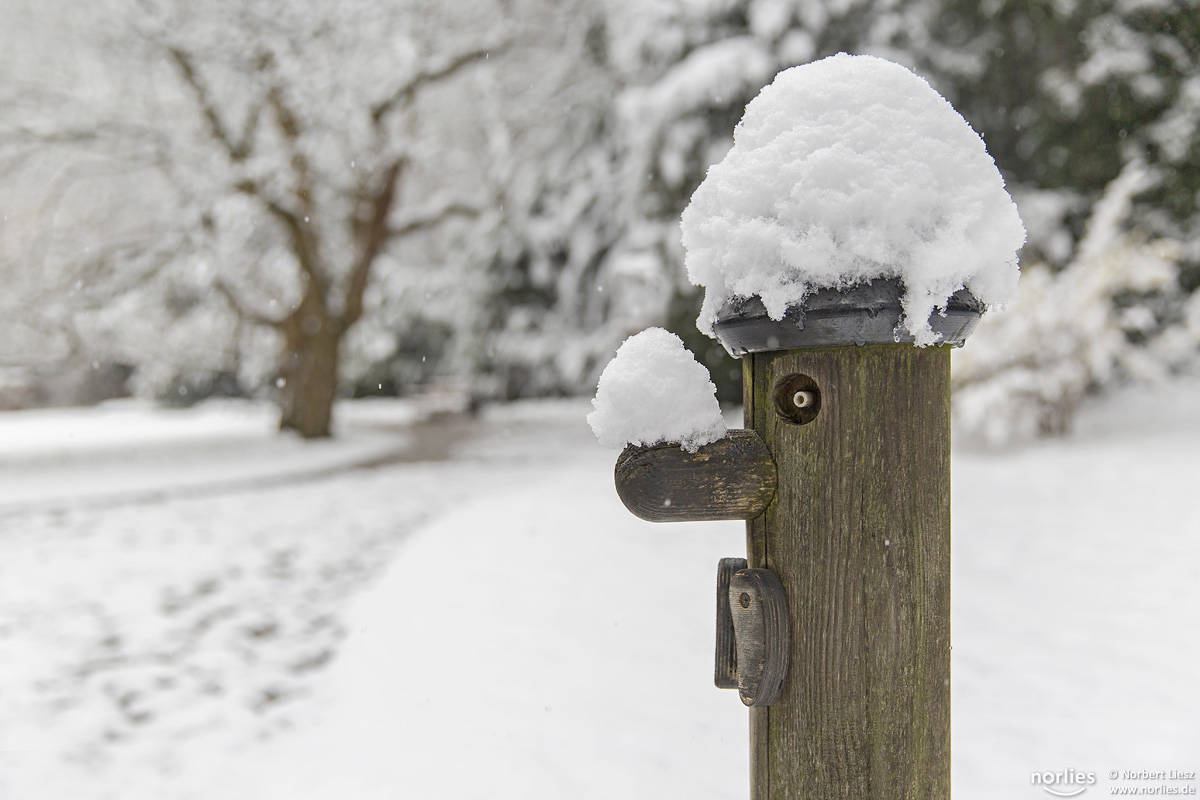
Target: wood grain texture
(725, 661)
(756, 556)
(732, 478)
(859, 534)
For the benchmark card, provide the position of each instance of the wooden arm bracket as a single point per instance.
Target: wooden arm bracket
(732, 478)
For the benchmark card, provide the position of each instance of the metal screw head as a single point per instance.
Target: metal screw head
(744, 600)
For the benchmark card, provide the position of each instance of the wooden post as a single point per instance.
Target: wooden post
(843, 476)
(858, 533)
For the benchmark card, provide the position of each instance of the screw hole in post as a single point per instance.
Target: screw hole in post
(797, 399)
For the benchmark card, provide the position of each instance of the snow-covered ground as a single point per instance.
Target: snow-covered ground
(463, 609)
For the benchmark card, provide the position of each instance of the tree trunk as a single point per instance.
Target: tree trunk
(309, 380)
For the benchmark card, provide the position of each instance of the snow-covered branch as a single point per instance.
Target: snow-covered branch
(242, 309)
(431, 219)
(303, 246)
(374, 237)
(236, 148)
(404, 94)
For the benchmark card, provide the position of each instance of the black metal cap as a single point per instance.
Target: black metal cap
(867, 313)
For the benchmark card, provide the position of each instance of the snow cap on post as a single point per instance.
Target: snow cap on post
(856, 206)
(655, 391)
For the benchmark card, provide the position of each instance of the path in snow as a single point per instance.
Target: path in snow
(127, 451)
(170, 610)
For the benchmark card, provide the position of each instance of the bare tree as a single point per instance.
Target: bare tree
(297, 148)
(331, 185)
(308, 177)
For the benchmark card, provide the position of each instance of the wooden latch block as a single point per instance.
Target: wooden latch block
(753, 633)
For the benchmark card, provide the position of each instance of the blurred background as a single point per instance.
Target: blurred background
(410, 233)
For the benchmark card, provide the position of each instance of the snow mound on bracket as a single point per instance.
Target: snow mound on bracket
(845, 170)
(655, 391)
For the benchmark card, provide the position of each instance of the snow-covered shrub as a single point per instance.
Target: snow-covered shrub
(1023, 372)
(1064, 105)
